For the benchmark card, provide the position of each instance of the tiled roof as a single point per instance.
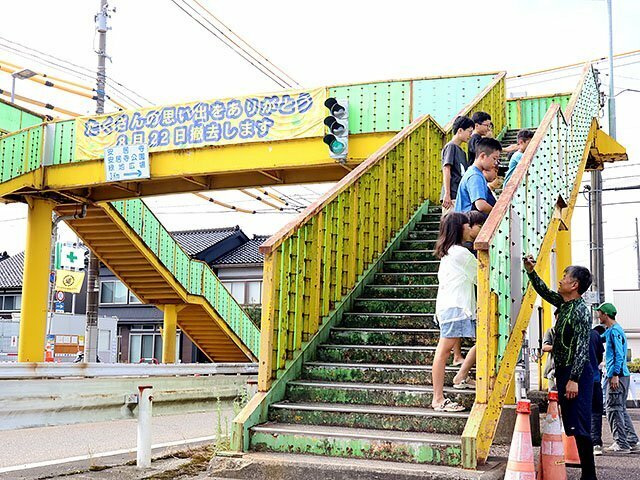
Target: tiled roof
(245, 253)
(11, 271)
(196, 241)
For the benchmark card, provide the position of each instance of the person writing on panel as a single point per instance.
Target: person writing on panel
(454, 162)
(574, 374)
(474, 192)
(455, 304)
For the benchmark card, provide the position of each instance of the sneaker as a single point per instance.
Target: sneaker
(635, 448)
(615, 448)
(597, 450)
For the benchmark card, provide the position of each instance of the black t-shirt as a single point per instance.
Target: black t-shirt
(454, 156)
(471, 147)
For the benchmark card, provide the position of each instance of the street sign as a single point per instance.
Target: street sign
(59, 307)
(70, 257)
(60, 296)
(126, 162)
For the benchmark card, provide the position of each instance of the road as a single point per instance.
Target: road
(46, 447)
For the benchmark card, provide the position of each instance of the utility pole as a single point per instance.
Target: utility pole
(638, 252)
(595, 206)
(93, 272)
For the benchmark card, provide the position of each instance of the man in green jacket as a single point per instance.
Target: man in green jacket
(574, 374)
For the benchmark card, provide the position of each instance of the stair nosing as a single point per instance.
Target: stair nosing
(396, 366)
(374, 434)
(385, 330)
(393, 299)
(400, 348)
(378, 386)
(392, 314)
(370, 409)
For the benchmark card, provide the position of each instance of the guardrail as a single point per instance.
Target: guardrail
(87, 370)
(65, 399)
(528, 112)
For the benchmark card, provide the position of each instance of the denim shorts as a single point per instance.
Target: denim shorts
(464, 328)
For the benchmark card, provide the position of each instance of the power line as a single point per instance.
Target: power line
(78, 70)
(252, 60)
(293, 80)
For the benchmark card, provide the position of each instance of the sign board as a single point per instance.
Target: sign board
(60, 296)
(126, 162)
(59, 307)
(68, 281)
(70, 257)
(253, 118)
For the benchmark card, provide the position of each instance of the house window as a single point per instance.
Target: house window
(114, 292)
(145, 342)
(247, 292)
(10, 303)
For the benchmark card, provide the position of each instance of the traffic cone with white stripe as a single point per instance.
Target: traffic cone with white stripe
(552, 465)
(520, 465)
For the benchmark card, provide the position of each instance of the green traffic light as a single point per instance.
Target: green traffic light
(337, 147)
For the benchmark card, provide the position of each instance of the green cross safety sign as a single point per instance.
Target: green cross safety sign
(69, 257)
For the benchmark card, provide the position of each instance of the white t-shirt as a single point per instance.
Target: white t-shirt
(457, 276)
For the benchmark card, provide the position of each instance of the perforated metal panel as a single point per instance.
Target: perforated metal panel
(443, 98)
(552, 173)
(64, 143)
(376, 107)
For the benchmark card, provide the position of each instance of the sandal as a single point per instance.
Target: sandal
(449, 406)
(466, 383)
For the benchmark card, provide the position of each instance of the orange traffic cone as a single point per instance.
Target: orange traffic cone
(520, 465)
(552, 450)
(571, 457)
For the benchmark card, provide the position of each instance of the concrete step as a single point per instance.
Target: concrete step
(428, 226)
(395, 305)
(388, 320)
(386, 354)
(422, 235)
(412, 266)
(414, 255)
(381, 417)
(418, 244)
(401, 291)
(410, 447)
(357, 466)
(384, 336)
(388, 336)
(405, 278)
(374, 373)
(372, 394)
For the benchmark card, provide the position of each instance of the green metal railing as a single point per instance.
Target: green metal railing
(524, 221)
(20, 152)
(528, 112)
(195, 276)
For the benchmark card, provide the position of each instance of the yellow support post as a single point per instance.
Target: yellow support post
(563, 251)
(35, 288)
(169, 333)
(547, 321)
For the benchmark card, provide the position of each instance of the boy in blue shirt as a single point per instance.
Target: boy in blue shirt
(524, 137)
(616, 384)
(473, 191)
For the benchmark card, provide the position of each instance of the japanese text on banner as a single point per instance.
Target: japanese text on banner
(272, 117)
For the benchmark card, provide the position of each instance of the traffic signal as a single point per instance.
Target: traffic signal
(337, 124)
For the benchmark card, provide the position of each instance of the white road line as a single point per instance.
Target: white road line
(79, 458)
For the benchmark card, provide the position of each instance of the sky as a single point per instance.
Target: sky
(157, 51)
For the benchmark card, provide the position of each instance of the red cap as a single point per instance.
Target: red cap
(553, 396)
(524, 406)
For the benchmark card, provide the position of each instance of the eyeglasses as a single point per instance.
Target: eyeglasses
(489, 125)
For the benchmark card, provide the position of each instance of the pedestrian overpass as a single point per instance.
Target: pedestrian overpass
(319, 267)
